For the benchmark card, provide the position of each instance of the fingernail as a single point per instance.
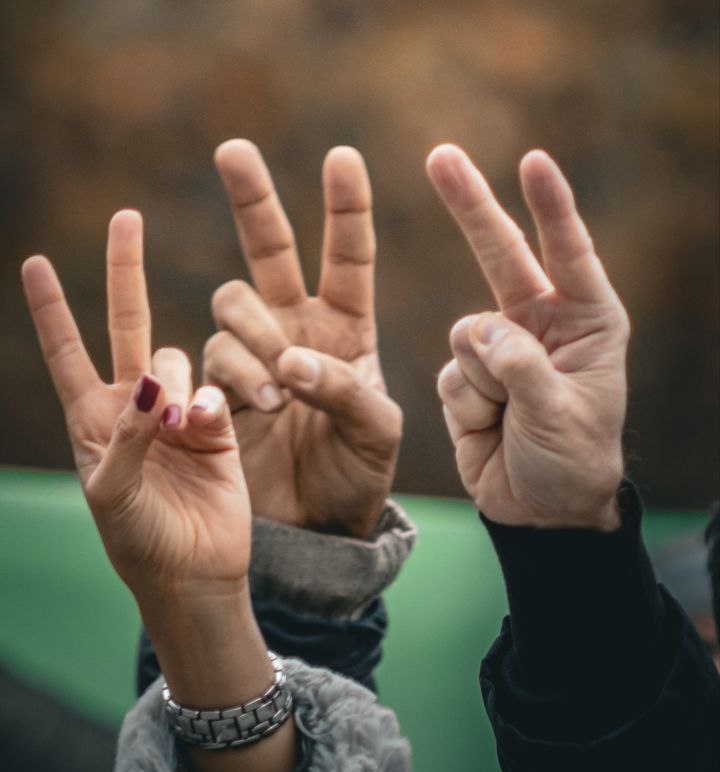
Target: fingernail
(489, 332)
(269, 397)
(146, 394)
(172, 415)
(305, 368)
(200, 406)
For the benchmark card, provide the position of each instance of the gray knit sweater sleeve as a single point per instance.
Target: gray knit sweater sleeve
(334, 577)
(348, 729)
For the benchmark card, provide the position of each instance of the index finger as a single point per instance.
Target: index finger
(348, 264)
(509, 266)
(265, 233)
(70, 367)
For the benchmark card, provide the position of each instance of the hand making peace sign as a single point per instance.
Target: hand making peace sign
(318, 433)
(535, 396)
(159, 465)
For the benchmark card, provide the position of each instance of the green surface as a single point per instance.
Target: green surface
(70, 626)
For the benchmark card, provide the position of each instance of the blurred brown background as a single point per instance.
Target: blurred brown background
(110, 104)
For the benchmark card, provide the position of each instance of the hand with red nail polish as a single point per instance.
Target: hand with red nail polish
(535, 395)
(163, 481)
(318, 432)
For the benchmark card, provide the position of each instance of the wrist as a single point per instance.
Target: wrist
(209, 647)
(608, 518)
(364, 526)
(165, 601)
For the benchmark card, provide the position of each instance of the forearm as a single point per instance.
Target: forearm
(213, 656)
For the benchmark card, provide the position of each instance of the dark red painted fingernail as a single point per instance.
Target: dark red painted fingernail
(172, 415)
(146, 394)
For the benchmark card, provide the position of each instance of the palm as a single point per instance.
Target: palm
(197, 511)
(296, 462)
(184, 477)
(525, 469)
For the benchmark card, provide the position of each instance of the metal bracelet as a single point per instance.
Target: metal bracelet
(237, 726)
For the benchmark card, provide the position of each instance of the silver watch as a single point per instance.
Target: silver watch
(237, 726)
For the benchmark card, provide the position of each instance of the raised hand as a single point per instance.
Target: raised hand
(318, 433)
(161, 472)
(535, 396)
(159, 465)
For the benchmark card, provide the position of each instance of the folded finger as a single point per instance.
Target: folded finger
(172, 368)
(263, 228)
(238, 309)
(471, 365)
(71, 369)
(128, 307)
(229, 365)
(475, 452)
(511, 269)
(348, 263)
(473, 449)
(471, 409)
(518, 360)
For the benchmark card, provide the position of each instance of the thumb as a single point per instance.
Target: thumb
(117, 477)
(362, 414)
(517, 359)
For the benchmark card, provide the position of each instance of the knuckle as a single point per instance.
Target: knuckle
(511, 243)
(459, 333)
(395, 423)
(126, 432)
(283, 243)
(63, 349)
(211, 345)
(451, 383)
(587, 245)
(216, 344)
(129, 320)
(624, 325)
(227, 294)
(388, 430)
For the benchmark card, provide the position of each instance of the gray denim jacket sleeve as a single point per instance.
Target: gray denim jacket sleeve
(348, 730)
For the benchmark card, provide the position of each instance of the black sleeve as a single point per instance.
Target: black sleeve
(597, 667)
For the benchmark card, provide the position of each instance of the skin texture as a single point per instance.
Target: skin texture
(161, 473)
(536, 393)
(318, 433)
